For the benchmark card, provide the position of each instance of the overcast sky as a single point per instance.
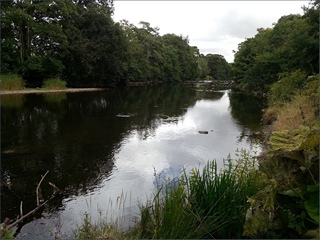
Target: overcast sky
(213, 26)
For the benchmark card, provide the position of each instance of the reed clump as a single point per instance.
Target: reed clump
(54, 83)
(11, 82)
(208, 203)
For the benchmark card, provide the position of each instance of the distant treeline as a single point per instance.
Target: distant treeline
(78, 41)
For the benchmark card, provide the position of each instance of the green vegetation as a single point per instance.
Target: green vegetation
(97, 231)
(282, 62)
(207, 204)
(11, 82)
(218, 67)
(280, 199)
(289, 50)
(54, 83)
(80, 42)
(288, 206)
(201, 206)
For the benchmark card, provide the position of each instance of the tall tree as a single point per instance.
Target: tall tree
(37, 41)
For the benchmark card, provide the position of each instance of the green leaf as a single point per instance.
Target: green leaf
(312, 188)
(292, 193)
(312, 205)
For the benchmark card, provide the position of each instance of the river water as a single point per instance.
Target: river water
(103, 149)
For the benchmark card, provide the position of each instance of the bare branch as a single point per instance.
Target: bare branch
(56, 189)
(21, 212)
(28, 214)
(37, 189)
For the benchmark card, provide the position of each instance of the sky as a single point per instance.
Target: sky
(215, 27)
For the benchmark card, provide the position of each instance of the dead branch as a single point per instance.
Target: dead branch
(37, 189)
(21, 212)
(28, 214)
(8, 226)
(56, 189)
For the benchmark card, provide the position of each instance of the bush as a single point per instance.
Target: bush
(11, 82)
(285, 88)
(54, 83)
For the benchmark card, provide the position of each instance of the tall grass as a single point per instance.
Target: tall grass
(207, 204)
(210, 203)
(302, 109)
(54, 83)
(11, 82)
(108, 226)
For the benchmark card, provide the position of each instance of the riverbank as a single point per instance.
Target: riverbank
(27, 91)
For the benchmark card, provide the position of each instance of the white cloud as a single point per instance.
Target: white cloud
(212, 26)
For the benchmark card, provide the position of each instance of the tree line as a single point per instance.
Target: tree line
(288, 51)
(79, 42)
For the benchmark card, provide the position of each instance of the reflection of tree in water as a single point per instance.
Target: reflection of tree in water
(210, 95)
(75, 136)
(247, 111)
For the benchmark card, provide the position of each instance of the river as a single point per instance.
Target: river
(103, 149)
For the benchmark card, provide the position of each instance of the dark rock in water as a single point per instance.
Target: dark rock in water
(163, 116)
(203, 132)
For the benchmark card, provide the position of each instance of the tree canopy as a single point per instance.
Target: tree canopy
(291, 45)
(78, 41)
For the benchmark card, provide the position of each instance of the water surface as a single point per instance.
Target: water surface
(102, 147)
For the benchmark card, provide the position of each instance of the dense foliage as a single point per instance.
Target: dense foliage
(274, 53)
(79, 42)
(283, 62)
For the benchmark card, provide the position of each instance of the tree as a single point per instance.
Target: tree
(203, 69)
(186, 54)
(37, 41)
(291, 45)
(97, 48)
(218, 67)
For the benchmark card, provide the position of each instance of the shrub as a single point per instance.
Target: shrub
(284, 89)
(54, 83)
(11, 82)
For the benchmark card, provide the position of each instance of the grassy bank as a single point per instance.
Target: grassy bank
(207, 203)
(288, 205)
(14, 82)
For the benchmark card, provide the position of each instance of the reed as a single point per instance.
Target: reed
(54, 83)
(11, 82)
(108, 225)
(210, 203)
(207, 204)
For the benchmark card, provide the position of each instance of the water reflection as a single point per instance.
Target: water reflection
(94, 153)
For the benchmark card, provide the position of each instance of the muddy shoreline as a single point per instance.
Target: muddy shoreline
(26, 91)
